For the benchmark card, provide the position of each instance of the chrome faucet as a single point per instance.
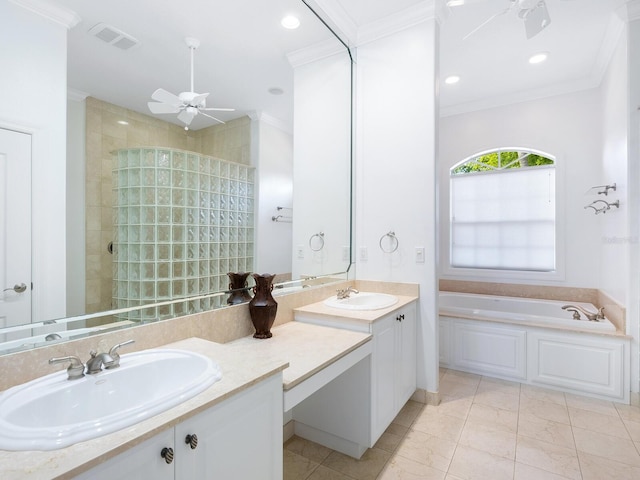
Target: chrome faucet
(576, 313)
(591, 316)
(95, 363)
(344, 293)
(108, 360)
(115, 355)
(76, 367)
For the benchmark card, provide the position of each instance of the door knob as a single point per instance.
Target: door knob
(18, 288)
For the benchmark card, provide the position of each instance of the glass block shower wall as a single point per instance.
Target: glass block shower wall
(182, 221)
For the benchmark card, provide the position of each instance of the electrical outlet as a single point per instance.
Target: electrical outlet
(300, 251)
(345, 253)
(419, 254)
(364, 254)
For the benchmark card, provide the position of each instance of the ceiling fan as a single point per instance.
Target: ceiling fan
(187, 104)
(533, 13)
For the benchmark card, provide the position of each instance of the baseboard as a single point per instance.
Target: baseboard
(328, 440)
(428, 398)
(288, 431)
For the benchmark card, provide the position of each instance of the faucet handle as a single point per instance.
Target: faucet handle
(75, 369)
(115, 355)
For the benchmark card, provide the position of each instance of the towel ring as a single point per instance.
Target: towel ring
(319, 243)
(393, 242)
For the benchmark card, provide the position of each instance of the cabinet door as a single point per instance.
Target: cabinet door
(139, 462)
(405, 356)
(239, 438)
(382, 375)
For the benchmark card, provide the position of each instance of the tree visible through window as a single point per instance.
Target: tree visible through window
(503, 211)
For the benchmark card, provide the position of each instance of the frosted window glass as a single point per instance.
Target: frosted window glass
(504, 219)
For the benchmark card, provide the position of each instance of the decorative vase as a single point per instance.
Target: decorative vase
(238, 287)
(262, 307)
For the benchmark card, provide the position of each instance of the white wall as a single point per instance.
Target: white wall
(568, 127)
(76, 170)
(33, 87)
(633, 185)
(274, 188)
(321, 172)
(395, 171)
(614, 235)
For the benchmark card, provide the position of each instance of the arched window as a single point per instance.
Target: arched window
(503, 211)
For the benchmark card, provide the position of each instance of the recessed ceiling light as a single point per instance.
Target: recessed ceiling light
(290, 22)
(276, 91)
(123, 122)
(452, 79)
(538, 57)
(455, 3)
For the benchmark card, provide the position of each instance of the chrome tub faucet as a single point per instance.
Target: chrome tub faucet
(591, 316)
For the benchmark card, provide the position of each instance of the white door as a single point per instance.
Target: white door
(15, 228)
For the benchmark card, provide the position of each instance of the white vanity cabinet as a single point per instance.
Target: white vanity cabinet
(240, 437)
(393, 372)
(392, 376)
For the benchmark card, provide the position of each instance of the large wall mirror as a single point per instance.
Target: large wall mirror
(161, 206)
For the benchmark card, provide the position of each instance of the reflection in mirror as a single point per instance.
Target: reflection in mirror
(148, 224)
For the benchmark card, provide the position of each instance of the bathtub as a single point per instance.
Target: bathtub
(519, 310)
(534, 342)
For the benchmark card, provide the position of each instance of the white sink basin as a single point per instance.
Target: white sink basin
(362, 301)
(52, 412)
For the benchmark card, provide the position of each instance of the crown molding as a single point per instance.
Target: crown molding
(315, 52)
(337, 17)
(630, 11)
(615, 28)
(77, 95)
(57, 14)
(397, 22)
(521, 97)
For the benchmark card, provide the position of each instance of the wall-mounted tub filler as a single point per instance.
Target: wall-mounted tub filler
(602, 206)
(591, 316)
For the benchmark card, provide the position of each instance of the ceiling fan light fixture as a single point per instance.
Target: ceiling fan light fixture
(290, 22)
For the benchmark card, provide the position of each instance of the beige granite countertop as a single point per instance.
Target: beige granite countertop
(298, 350)
(308, 348)
(242, 366)
(319, 309)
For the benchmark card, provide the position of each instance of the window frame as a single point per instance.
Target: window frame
(449, 271)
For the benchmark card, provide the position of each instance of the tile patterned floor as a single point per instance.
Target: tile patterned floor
(488, 429)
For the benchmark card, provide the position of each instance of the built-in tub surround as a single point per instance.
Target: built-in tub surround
(522, 311)
(534, 341)
(613, 311)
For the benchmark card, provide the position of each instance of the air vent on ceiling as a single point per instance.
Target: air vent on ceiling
(113, 36)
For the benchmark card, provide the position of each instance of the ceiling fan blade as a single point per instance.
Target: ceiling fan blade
(198, 99)
(212, 117)
(218, 109)
(486, 22)
(163, 96)
(157, 107)
(186, 117)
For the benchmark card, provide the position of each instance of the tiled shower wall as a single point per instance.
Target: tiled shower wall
(182, 221)
(104, 135)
